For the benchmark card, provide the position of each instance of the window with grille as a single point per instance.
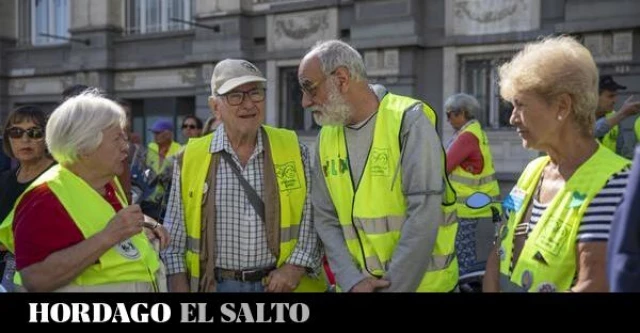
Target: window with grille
(149, 16)
(479, 78)
(49, 18)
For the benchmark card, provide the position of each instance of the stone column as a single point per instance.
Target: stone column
(94, 25)
(8, 37)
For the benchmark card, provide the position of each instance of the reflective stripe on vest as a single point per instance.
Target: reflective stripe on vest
(285, 151)
(373, 215)
(472, 182)
(436, 263)
(133, 260)
(548, 259)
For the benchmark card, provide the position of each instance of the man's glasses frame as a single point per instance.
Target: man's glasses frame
(236, 98)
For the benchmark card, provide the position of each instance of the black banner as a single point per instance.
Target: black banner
(328, 309)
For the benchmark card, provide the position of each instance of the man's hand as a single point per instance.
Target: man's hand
(369, 285)
(178, 283)
(284, 279)
(630, 108)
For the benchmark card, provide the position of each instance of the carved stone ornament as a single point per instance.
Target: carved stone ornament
(478, 17)
(17, 86)
(125, 81)
(301, 27)
(488, 11)
(188, 76)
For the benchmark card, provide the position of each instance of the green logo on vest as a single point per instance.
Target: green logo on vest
(335, 167)
(287, 176)
(380, 162)
(553, 236)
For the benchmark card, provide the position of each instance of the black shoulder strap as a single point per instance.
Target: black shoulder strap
(252, 195)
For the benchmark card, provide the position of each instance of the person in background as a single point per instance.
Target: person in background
(191, 127)
(623, 259)
(72, 229)
(609, 130)
(159, 159)
(74, 90)
(23, 139)
(211, 124)
(382, 205)
(470, 170)
(560, 211)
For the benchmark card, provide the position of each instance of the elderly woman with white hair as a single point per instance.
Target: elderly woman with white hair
(470, 170)
(560, 211)
(90, 241)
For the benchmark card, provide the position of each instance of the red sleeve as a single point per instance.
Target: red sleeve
(462, 148)
(41, 227)
(125, 180)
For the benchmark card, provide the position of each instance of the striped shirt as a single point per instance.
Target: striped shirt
(240, 233)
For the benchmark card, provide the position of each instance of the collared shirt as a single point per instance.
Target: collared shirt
(241, 237)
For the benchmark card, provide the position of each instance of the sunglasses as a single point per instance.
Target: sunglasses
(36, 133)
(189, 126)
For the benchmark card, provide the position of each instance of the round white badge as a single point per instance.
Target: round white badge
(127, 249)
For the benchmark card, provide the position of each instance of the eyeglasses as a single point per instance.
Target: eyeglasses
(312, 88)
(237, 97)
(35, 133)
(189, 126)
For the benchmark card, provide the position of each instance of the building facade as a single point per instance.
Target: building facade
(159, 54)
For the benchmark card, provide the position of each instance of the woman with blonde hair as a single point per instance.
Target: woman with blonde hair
(560, 211)
(72, 230)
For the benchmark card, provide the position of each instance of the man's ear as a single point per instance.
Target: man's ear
(212, 101)
(343, 76)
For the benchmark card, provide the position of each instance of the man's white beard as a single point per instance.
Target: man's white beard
(335, 112)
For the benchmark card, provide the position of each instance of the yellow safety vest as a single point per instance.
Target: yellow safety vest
(548, 259)
(292, 189)
(466, 183)
(372, 217)
(610, 140)
(153, 161)
(133, 260)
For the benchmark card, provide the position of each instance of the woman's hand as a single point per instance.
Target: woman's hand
(125, 224)
(155, 231)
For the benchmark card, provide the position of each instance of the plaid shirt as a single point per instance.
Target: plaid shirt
(241, 237)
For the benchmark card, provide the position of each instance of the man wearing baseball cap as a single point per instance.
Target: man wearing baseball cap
(239, 212)
(610, 131)
(160, 153)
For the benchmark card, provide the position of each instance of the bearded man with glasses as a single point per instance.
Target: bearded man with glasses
(239, 212)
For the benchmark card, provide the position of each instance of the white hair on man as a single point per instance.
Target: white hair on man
(335, 53)
(75, 127)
